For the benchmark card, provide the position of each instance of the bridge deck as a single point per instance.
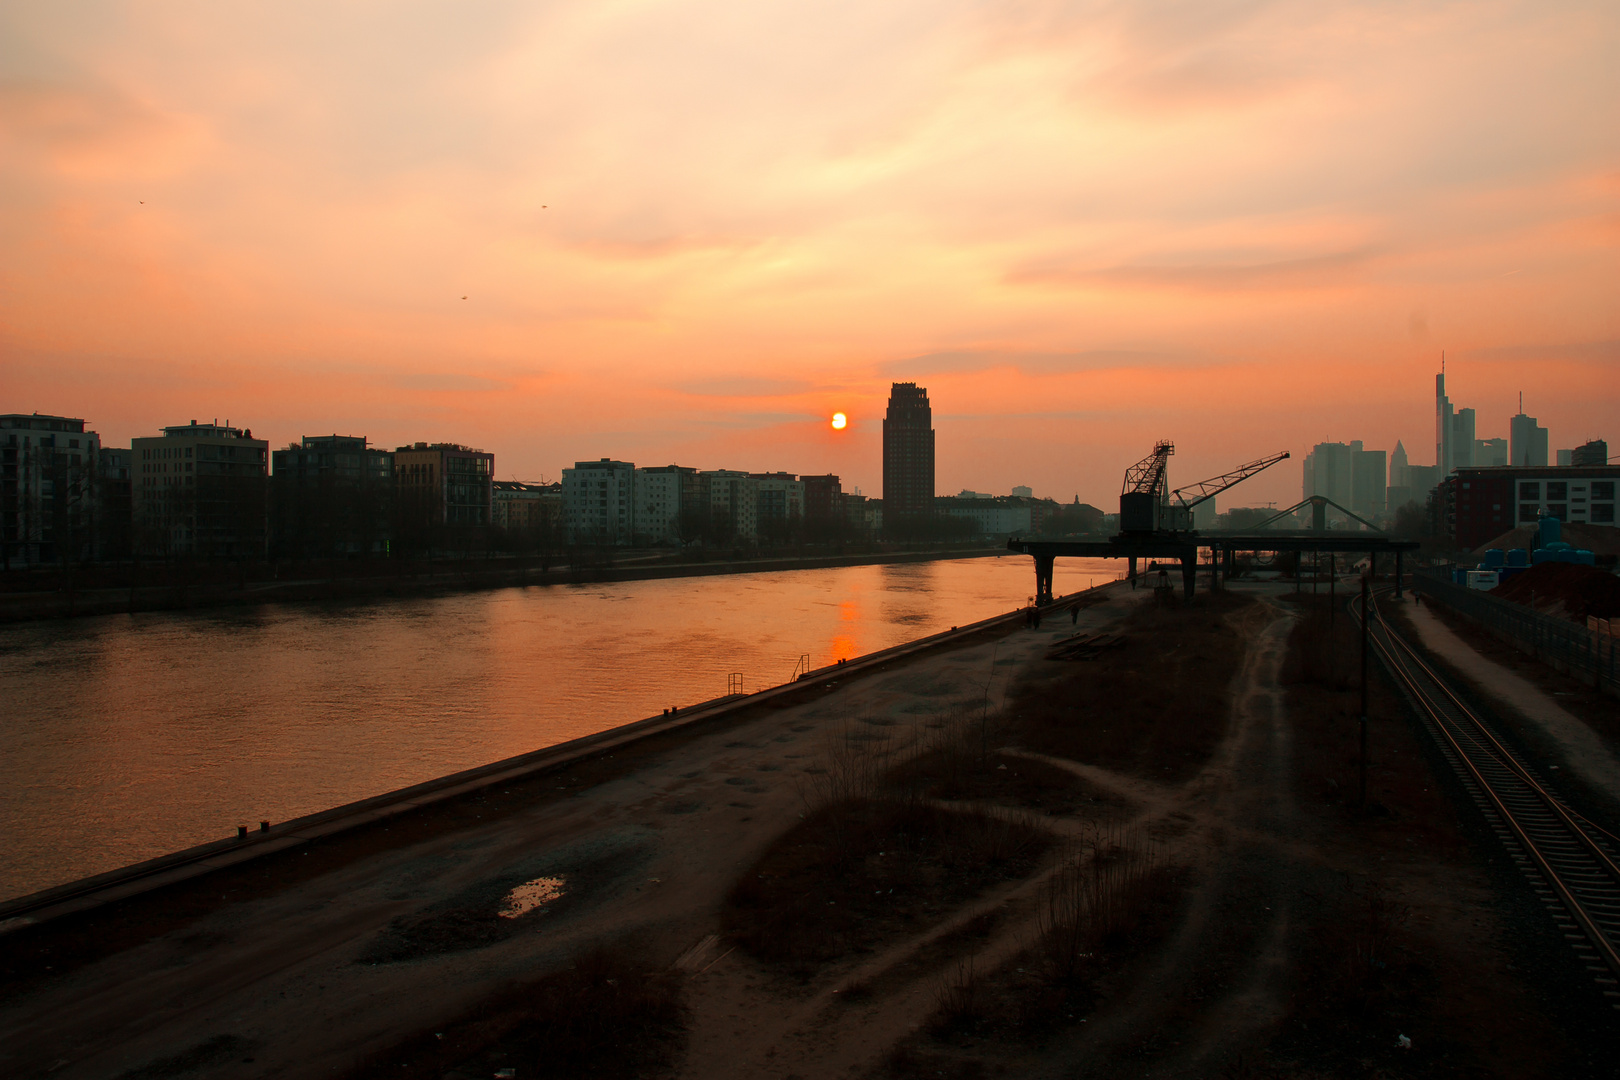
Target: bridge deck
(1184, 548)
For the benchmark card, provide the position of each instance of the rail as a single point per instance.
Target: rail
(1571, 862)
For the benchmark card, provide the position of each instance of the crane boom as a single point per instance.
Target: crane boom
(1193, 494)
(1147, 476)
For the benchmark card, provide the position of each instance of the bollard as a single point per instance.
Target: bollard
(264, 826)
(241, 831)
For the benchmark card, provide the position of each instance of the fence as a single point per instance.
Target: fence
(1568, 646)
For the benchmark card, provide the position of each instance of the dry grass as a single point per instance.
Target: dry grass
(1323, 649)
(871, 858)
(1092, 904)
(605, 1016)
(1108, 906)
(960, 759)
(857, 872)
(1158, 707)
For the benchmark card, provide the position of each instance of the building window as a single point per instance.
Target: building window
(1557, 489)
(1603, 513)
(1603, 489)
(1530, 489)
(1558, 510)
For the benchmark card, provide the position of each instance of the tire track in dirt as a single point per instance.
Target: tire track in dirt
(1209, 988)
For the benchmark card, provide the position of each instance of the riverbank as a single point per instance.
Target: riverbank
(669, 803)
(1004, 854)
(181, 588)
(82, 895)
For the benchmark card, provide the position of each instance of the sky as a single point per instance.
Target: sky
(689, 231)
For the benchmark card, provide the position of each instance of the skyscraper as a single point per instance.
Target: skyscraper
(1527, 439)
(908, 453)
(1442, 423)
(1397, 466)
(1460, 451)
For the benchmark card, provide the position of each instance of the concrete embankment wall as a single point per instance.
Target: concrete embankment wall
(100, 889)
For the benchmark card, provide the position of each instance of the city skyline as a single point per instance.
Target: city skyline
(543, 233)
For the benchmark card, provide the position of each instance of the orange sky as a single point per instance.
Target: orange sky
(690, 231)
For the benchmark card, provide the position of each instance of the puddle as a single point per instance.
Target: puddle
(530, 895)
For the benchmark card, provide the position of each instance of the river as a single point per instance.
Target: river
(129, 736)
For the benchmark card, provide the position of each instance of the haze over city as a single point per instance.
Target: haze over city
(692, 233)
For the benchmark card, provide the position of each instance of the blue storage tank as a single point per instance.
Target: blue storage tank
(1495, 559)
(1551, 531)
(1518, 557)
(1541, 555)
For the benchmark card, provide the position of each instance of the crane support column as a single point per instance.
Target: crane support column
(1043, 578)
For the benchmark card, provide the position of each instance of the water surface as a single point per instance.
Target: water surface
(128, 736)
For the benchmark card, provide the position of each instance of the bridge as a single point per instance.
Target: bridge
(1183, 548)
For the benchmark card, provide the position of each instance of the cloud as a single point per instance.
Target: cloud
(1604, 353)
(94, 132)
(446, 382)
(1029, 362)
(1314, 272)
(744, 387)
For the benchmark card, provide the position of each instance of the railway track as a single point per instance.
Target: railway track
(1572, 864)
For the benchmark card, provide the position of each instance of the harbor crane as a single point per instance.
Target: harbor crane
(1145, 504)
(1155, 522)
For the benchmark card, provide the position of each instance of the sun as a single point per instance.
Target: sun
(839, 420)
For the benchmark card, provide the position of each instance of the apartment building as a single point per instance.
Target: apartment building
(444, 484)
(200, 490)
(48, 489)
(1480, 504)
(778, 502)
(733, 503)
(599, 502)
(331, 496)
(665, 494)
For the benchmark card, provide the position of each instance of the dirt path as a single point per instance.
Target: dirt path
(285, 975)
(1225, 822)
(1218, 980)
(1583, 749)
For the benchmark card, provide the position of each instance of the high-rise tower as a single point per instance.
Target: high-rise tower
(1528, 439)
(1443, 424)
(908, 454)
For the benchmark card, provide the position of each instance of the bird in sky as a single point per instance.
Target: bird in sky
(464, 298)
